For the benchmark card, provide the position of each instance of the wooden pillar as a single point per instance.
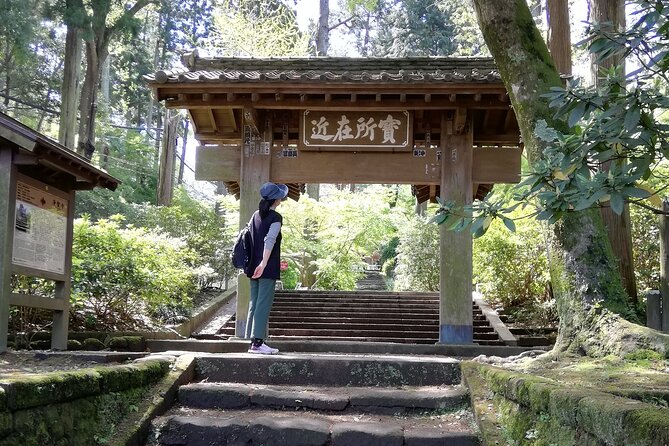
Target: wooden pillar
(455, 265)
(664, 265)
(61, 318)
(7, 211)
(253, 174)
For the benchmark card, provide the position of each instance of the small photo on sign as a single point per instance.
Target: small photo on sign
(22, 218)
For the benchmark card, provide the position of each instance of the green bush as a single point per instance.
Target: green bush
(120, 276)
(197, 224)
(417, 266)
(93, 344)
(290, 276)
(511, 269)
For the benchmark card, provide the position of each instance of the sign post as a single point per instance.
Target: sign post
(38, 180)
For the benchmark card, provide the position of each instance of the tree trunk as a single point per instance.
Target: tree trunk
(184, 144)
(88, 104)
(323, 32)
(167, 156)
(105, 81)
(619, 227)
(72, 72)
(583, 271)
(559, 35)
(152, 99)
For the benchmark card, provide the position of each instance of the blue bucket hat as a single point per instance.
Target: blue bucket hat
(271, 191)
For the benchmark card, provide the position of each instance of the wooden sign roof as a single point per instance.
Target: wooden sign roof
(43, 158)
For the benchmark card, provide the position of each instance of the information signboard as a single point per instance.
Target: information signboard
(40, 230)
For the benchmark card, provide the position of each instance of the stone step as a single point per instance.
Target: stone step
(206, 395)
(345, 332)
(195, 427)
(328, 369)
(285, 318)
(316, 294)
(416, 306)
(353, 312)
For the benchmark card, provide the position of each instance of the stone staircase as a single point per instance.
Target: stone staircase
(320, 399)
(371, 316)
(373, 281)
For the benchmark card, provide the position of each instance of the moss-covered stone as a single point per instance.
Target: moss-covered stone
(6, 423)
(648, 426)
(40, 345)
(73, 344)
(118, 343)
(563, 402)
(49, 388)
(114, 379)
(127, 343)
(604, 416)
(93, 344)
(136, 343)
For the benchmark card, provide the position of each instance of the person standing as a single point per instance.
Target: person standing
(264, 269)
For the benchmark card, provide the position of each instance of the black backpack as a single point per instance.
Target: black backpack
(242, 251)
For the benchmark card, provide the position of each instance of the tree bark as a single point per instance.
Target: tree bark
(584, 276)
(70, 90)
(559, 35)
(619, 227)
(167, 157)
(323, 32)
(184, 144)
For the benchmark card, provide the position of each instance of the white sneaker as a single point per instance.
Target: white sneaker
(263, 349)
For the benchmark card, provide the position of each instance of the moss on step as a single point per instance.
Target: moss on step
(534, 410)
(75, 407)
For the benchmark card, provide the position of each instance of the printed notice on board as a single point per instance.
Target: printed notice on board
(40, 230)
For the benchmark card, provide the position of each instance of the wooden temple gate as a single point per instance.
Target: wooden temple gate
(443, 125)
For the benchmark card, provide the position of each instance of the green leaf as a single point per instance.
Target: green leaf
(509, 224)
(438, 218)
(636, 192)
(632, 118)
(576, 114)
(617, 203)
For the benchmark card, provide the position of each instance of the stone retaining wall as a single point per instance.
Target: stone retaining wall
(520, 409)
(79, 407)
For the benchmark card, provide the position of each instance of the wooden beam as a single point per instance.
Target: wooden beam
(459, 121)
(455, 265)
(212, 120)
(490, 165)
(233, 119)
(206, 97)
(30, 300)
(341, 103)
(230, 97)
(7, 222)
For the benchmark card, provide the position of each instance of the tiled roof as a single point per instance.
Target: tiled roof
(331, 69)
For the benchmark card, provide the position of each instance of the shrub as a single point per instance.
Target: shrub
(121, 275)
(199, 226)
(417, 257)
(93, 344)
(512, 271)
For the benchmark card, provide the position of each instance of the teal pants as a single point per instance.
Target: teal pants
(260, 303)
